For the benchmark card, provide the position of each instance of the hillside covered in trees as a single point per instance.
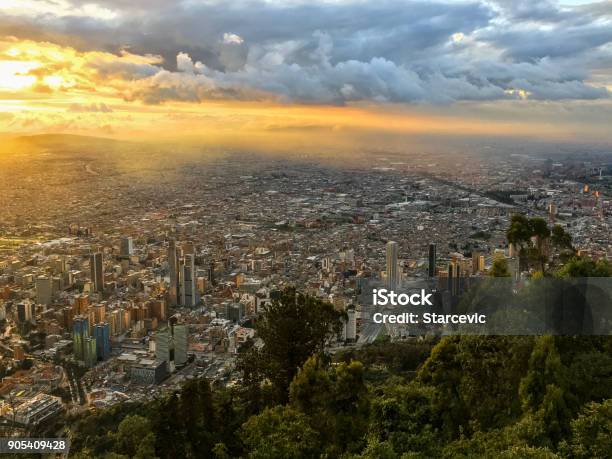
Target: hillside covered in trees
(455, 397)
(463, 396)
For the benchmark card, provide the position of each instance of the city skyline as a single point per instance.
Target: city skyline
(306, 229)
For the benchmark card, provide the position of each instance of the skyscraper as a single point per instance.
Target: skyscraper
(188, 287)
(90, 352)
(80, 331)
(24, 312)
(81, 304)
(180, 344)
(96, 267)
(163, 344)
(99, 313)
(475, 261)
(173, 273)
(392, 266)
(102, 336)
(211, 273)
(432, 260)
(44, 289)
(127, 247)
(351, 325)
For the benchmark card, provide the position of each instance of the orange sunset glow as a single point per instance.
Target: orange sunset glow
(84, 88)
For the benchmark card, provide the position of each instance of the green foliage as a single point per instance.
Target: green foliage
(337, 401)
(383, 359)
(184, 422)
(545, 369)
(443, 372)
(280, 432)
(460, 397)
(544, 393)
(475, 381)
(591, 432)
(500, 268)
(560, 238)
(519, 231)
(376, 449)
(293, 328)
(95, 429)
(134, 437)
(585, 267)
(404, 416)
(532, 235)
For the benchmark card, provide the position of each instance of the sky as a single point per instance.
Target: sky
(155, 68)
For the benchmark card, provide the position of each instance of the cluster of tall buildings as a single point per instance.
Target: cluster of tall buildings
(91, 343)
(182, 273)
(457, 267)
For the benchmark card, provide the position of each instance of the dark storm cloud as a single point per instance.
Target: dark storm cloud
(321, 52)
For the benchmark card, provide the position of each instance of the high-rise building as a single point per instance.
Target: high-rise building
(475, 261)
(96, 267)
(481, 263)
(44, 289)
(211, 273)
(234, 311)
(115, 322)
(456, 277)
(351, 325)
(432, 260)
(125, 319)
(24, 312)
(67, 317)
(173, 270)
(99, 313)
(158, 309)
(91, 352)
(163, 344)
(180, 344)
(127, 247)
(188, 284)
(80, 331)
(392, 266)
(81, 304)
(102, 336)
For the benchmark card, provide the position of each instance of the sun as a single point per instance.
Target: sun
(14, 75)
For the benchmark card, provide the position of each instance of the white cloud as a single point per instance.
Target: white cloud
(336, 52)
(232, 39)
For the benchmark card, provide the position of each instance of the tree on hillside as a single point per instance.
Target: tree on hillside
(293, 328)
(336, 400)
(280, 432)
(500, 268)
(543, 392)
(134, 438)
(591, 432)
(534, 240)
(561, 239)
(444, 371)
(585, 267)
